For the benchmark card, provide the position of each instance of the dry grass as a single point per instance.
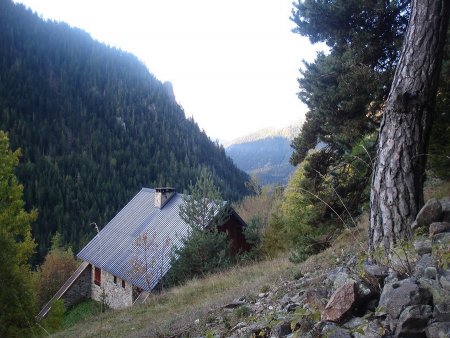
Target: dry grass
(351, 242)
(436, 189)
(175, 311)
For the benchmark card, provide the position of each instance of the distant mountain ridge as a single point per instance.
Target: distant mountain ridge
(265, 153)
(288, 132)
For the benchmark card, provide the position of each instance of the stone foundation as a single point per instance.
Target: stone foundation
(117, 297)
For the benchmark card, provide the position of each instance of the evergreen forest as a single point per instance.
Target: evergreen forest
(94, 126)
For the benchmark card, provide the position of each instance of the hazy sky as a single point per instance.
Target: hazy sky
(233, 64)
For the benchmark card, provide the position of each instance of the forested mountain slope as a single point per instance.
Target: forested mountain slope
(94, 127)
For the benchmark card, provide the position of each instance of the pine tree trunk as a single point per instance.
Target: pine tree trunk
(397, 183)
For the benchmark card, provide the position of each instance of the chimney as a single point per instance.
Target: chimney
(162, 196)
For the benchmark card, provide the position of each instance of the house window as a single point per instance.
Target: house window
(123, 283)
(98, 276)
(115, 280)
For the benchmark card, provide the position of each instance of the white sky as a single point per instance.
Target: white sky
(233, 64)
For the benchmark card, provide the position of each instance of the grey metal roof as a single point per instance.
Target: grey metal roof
(115, 248)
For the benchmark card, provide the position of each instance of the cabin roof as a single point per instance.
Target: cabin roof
(115, 248)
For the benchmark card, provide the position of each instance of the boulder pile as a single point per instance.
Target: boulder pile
(406, 295)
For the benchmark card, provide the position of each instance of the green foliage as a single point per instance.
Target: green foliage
(253, 236)
(17, 301)
(94, 126)
(325, 195)
(202, 253)
(242, 311)
(53, 322)
(274, 237)
(206, 249)
(203, 206)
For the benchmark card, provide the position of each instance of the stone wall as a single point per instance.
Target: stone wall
(117, 297)
(80, 289)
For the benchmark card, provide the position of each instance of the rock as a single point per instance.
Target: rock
(341, 279)
(423, 246)
(316, 298)
(340, 303)
(445, 204)
(281, 330)
(398, 295)
(292, 306)
(439, 227)
(430, 272)
(372, 329)
(424, 262)
(334, 331)
(354, 323)
(441, 239)
(413, 321)
(239, 326)
(235, 303)
(445, 283)
(438, 330)
(442, 312)
(441, 298)
(377, 271)
(431, 212)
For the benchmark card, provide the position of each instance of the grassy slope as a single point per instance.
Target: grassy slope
(176, 310)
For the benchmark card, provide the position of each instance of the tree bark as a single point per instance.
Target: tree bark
(397, 183)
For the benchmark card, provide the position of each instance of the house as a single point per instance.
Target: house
(128, 257)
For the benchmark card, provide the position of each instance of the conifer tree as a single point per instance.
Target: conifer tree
(16, 294)
(205, 249)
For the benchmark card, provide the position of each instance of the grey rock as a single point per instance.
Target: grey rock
(285, 300)
(377, 271)
(291, 307)
(439, 227)
(398, 295)
(441, 312)
(281, 330)
(430, 272)
(354, 323)
(235, 303)
(413, 321)
(423, 246)
(441, 239)
(445, 204)
(424, 262)
(239, 326)
(441, 298)
(431, 212)
(334, 331)
(342, 278)
(445, 283)
(373, 329)
(438, 330)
